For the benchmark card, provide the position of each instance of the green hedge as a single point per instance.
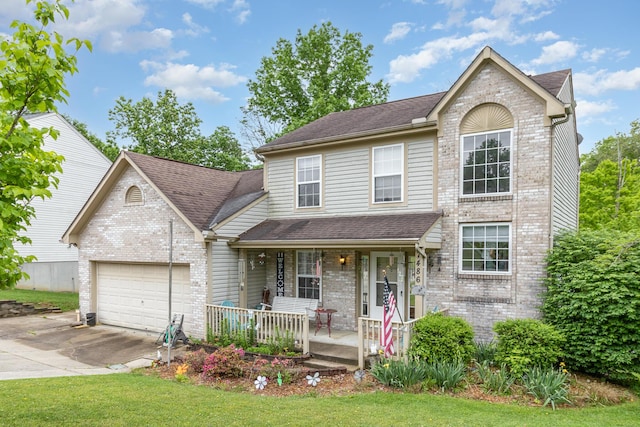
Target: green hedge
(593, 298)
(527, 343)
(441, 338)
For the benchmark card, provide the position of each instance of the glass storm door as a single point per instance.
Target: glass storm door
(390, 263)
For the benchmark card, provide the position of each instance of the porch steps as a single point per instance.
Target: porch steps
(328, 354)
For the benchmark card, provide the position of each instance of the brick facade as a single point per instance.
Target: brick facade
(482, 300)
(140, 234)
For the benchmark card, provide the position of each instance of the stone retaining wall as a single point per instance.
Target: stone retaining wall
(12, 308)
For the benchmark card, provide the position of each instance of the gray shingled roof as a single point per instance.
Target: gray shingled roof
(387, 115)
(200, 193)
(364, 227)
(379, 116)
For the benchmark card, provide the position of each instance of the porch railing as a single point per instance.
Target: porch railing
(369, 331)
(263, 325)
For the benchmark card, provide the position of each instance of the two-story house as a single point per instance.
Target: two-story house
(455, 197)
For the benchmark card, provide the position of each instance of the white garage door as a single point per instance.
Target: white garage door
(135, 296)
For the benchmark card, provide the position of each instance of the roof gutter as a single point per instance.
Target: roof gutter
(324, 244)
(415, 124)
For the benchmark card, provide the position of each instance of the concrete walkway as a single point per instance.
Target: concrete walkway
(54, 345)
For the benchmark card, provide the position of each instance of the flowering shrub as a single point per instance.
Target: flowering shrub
(224, 362)
(195, 360)
(268, 369)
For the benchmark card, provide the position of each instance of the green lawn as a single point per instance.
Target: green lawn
(66, 301)
(138, 400)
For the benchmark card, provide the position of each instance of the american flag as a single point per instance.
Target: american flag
(388, 308)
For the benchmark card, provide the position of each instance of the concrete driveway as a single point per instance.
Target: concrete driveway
(51, 346)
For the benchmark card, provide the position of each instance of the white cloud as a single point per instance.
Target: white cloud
(557, 52)
(91, 18)
(406, 68)
(243, 9)
(593, 55)
(398, 31)
(603, 80)
(207, 4)
(194, 29)
(546, 36)
(585, 109)
(190, 81)
(116, 41)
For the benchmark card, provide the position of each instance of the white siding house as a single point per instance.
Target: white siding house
(56, 267)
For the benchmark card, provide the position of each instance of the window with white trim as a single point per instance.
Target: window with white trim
(486, 163)
(309, 274)
(388, 166)
(485, 248)
(308, 172)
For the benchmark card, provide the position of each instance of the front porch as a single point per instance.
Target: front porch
(349, 347)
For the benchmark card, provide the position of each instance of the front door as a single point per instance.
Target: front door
(392, 265)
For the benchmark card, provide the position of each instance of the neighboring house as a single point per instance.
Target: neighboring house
(455, 197)
(56, 267)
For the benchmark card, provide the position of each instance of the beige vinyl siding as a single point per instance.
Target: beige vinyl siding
(420, 175)
(247, 219)
(347, 181)
(281, 187)
(566, 170)
(224, 273)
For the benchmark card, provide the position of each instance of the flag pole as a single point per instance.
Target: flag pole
(397, 309)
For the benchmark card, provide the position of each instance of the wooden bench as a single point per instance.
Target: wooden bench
(294, 305)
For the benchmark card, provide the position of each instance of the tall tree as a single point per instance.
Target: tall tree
(610, 183)
(610, 196)
(33, 66)
(323, 71)
(109, 149)
(170, 130)
(622, 145)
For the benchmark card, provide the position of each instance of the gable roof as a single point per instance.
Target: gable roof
(413, 112)
(198, 194)
(362, 230)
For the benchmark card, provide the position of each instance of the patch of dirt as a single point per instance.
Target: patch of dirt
(584, 390)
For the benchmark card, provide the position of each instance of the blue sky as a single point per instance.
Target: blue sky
(207, 50)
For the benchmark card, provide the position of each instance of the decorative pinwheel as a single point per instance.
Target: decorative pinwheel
(313, 380)
(260, 382)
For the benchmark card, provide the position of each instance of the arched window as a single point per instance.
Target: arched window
(133, 196)
(486, 140)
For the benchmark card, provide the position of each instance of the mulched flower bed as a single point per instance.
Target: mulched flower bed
(585, 391)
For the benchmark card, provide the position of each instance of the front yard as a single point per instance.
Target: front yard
(136, 399)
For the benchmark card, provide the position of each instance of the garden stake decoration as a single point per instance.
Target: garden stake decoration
(279, 379)
(313, 380)
(260, 382)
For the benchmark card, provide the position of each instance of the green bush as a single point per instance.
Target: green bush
(485, 351)
(593, 298)
(441, 338)
(525, 343)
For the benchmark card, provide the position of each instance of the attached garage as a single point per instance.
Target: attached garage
(135, 295)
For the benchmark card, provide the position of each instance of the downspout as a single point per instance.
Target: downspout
(568, 110)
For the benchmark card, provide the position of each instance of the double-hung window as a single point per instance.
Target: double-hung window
(308, 171)
(309, 274)
(388, 166)
(485, 248)
(486, 163)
